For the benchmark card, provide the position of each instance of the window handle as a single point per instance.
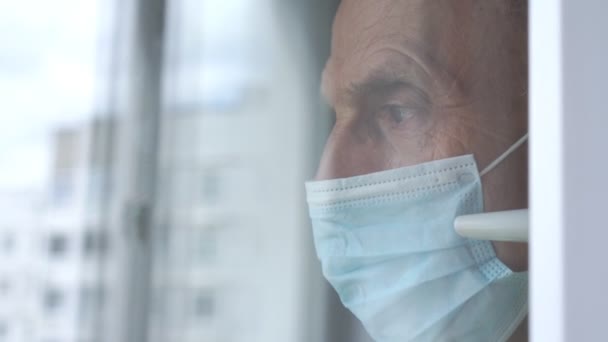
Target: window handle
(510, 225)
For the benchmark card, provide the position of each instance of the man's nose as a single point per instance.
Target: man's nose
(352, 151)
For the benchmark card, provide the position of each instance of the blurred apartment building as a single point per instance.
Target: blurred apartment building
(52, 244)
(206, 278)
(20, 224)
(75, 239)
(56, 244)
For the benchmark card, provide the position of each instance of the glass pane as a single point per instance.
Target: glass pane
(192, 225)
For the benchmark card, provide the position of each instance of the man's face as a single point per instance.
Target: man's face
(416, 81)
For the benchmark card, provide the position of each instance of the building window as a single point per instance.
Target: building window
(63, 188)
(57, 245)
(5, 287)
(91, 301)
(94, 243)
(53, 300)
(205, 245)
(3, 330)
(210, 187)
(7, 243)
(204, 305)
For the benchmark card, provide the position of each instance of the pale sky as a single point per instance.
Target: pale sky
(47, 66)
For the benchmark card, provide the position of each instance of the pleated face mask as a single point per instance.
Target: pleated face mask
(387, 245)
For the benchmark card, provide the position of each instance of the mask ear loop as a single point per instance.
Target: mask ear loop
(504, 155)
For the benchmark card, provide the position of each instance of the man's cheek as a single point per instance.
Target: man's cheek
(440, 141)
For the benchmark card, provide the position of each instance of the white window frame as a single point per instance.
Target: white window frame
(568, 169)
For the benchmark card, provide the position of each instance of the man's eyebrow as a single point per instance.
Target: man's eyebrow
(377, 81)
(381, 79)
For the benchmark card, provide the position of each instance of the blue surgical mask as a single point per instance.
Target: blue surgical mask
(387, 245)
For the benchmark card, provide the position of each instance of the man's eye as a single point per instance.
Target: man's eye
(397, 113)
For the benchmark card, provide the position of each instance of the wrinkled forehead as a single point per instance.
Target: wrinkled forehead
(442, 35)
(359, 21)
(423, 24)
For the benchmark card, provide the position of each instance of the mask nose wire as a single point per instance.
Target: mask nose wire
(504, 155)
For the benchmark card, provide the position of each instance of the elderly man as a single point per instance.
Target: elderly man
(426, 94)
